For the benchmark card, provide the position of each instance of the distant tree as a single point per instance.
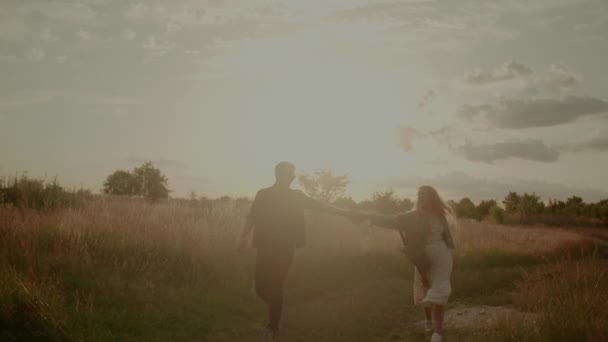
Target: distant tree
(556, 207)
(530, 204)
(153, 183)
(385, 202)
(483, 208)
(192, 196)
(406, 205)
(145, 180)
(511, 202)
(345, 202)
(497, 214)
(122, 183)
(24, 192)
(602, 211)
(323, 185)
(465, 208)
(574, 205)
(366, 205)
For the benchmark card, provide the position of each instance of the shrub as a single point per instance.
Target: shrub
(23, 192)
(497, 214)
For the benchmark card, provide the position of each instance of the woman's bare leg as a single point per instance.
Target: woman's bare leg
(438, 314)
(427, 313)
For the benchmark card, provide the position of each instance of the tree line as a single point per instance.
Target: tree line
(149, 182)
(526, 208)
(21, 191)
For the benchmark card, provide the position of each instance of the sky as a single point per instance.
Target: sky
(477, 98)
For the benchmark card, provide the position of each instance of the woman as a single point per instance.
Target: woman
(426, 229)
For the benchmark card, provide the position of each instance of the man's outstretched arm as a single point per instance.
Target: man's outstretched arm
(399, 222)
(318, 206)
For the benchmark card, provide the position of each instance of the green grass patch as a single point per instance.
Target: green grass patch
(487, 259)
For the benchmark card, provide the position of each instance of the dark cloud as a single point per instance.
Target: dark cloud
(471, 112)
(557, 79)
(531, 149)
(159, 162)
(59, 10)
(427, 98)
(442, 134)
(457, 185)
(406, 137)
(506, 72)
(560, 78)
(599, 143)
(514, 113)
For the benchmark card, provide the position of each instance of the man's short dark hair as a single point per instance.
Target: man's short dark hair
(284, 170)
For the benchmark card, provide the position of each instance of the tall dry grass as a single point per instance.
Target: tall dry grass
(564, 302)
(125, 269)
(475, 236)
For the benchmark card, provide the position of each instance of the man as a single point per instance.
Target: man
(277, 214)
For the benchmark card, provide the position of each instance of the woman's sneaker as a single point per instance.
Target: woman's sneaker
(270, 335)
(436, 337)
(428, 326)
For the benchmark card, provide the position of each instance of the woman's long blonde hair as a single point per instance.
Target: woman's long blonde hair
(431, 205)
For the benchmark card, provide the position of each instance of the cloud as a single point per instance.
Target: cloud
(516, 113)
(29, 97)
(557, 79)
(599, 143)
(530, 149)
(136, 10)
(173, 27)
(7, 58)
(128, 34)
(47, 36)
(443, 134)
(174, 16)
(458, 184)
(560, 79)
(59, 10)
(159, 48)
(406, 137)
(84, 35)
(472, 112)
(159, 162)
(427, 98)
(35, 55)
(506, 72)
(60, 59)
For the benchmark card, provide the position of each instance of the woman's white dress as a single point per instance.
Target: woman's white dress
(439, 277)
(438, 251)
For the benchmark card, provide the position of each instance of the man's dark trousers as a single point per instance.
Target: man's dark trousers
(271, 268)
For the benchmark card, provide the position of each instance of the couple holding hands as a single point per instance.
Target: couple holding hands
(277, 221)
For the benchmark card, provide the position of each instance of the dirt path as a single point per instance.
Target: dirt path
(463, 317)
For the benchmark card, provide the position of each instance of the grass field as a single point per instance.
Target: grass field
(129, 271)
